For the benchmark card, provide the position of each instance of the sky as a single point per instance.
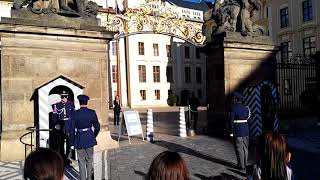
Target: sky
(197, 1)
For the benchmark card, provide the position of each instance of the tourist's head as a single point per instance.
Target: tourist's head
(43, 164)
(168, 165)
(274, 154)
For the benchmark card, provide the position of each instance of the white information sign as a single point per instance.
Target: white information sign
(133, 124)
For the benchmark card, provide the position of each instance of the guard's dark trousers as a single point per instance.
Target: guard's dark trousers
(241, 147)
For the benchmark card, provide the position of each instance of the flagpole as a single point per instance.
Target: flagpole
(118, 72)
(117, 11)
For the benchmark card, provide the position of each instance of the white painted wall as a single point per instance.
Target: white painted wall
(177, 61)
(5, 9)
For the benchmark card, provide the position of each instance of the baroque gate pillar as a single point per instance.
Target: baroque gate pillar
(234, 63)
(39, 47)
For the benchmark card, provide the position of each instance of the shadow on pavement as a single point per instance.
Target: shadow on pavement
(71, 173)
(222, 176)
(186, 150)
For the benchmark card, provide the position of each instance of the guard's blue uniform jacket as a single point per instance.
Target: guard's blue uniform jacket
(83, 120)
(60, 115)
(238, 120)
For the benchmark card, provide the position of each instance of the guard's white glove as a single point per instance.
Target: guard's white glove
(231, 135)
(58, 127)
(72, 147)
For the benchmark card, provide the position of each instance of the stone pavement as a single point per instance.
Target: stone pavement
(305, 147)
(207, 157)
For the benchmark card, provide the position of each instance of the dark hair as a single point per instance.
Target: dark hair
(43, 164)
(273, 151)
(168, 165)
(83, 102)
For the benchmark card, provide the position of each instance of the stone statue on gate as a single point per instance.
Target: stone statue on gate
(237, 16)
(71, 8)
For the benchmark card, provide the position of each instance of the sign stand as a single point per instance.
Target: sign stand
(133, 125)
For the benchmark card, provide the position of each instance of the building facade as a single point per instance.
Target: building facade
(155, 65)
(296, 27)
(152, 66)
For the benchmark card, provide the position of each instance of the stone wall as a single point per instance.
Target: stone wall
(236, 62)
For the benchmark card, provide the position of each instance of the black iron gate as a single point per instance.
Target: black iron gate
(298, 86)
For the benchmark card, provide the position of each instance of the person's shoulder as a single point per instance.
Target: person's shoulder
(91, 110)
(70, 102)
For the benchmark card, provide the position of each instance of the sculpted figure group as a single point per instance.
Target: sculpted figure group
(237, 16)
(71, 8)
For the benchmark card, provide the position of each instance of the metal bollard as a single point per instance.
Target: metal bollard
(182, 123)
(149, 125)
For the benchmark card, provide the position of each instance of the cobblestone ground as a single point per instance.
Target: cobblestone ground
(305, 147)
(206, 157)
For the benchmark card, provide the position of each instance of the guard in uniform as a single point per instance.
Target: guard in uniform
(116, 110)
(62, 124)
(239, 116)
(84, 140)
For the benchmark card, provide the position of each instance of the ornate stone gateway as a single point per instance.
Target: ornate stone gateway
(240, 58)
(154, 17)
(42, 41)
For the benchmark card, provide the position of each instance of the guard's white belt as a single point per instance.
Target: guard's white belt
(83, 130)
(240, 121)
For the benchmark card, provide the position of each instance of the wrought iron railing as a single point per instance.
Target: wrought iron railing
(31, 131)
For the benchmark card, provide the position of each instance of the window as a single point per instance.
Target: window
(307, 10)
(287, 87)
(142, 73)
(187, 52)
(309, 46)
(286, 51)
(142, 95)
(141, 48)
(199, 93)
(114, 74)
(187, 74)
(157, 94)
(156, 73)
(197, 53)
(284, 17)
(168, 47)
(113, 48)
(169, 74)
(198, 75)
(155, 49)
